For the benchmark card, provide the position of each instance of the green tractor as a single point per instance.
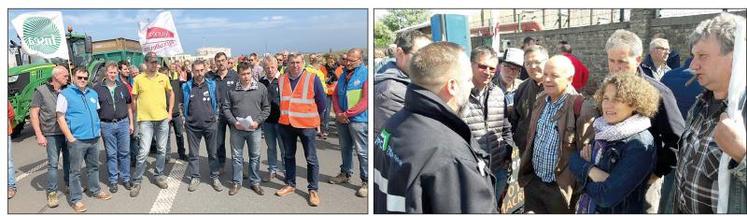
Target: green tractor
(27, 75)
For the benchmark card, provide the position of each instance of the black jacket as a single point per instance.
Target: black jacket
(425, 161)
(666, 127)
(113, 108)
(273, 96)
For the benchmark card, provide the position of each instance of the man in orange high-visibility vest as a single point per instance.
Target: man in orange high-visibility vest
(301, 105)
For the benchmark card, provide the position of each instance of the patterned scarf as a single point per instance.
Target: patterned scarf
(605, 134)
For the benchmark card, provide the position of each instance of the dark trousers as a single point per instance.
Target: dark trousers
(194, 136)
(177, 124)
(221, 140)
(290, 137)
(546, 198)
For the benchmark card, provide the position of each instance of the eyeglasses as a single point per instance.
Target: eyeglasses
(351, 60)
(483, 67)
(511, 67)
(663, 49)
(533, 64)
(82, 77)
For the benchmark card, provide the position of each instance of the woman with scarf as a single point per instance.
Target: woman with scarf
(615, 167)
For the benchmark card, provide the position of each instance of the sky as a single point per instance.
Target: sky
(244, 31)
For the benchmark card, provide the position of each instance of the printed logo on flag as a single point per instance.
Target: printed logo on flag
(41, 35)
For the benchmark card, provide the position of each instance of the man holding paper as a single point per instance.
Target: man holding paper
(245, 107)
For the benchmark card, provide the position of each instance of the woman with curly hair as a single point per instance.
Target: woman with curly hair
(615, 167)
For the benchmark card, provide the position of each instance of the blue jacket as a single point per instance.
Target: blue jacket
(187, 89)
(629, 163)
(352, 88)
(81, 115)
(685, 95)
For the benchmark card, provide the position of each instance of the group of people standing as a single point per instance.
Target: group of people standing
(249, 99)
(447, 124)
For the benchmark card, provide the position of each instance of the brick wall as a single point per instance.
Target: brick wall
(588, 41)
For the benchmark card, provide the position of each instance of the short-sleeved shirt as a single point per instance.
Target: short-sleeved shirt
(151, 103)
(46, 99)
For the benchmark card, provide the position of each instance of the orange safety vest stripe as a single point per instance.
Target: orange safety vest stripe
(297, 106)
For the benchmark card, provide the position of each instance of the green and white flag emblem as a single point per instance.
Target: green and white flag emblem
(42, 34)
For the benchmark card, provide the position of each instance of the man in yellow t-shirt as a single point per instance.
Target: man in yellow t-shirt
(153, 119)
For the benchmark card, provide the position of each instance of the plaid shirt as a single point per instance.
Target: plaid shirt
(546, 141)
(697, 169)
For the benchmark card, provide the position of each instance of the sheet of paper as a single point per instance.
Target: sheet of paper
(246, 122)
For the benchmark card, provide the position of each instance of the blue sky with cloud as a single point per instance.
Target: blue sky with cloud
(244, 31)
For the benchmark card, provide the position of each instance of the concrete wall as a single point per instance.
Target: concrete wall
(588, 41)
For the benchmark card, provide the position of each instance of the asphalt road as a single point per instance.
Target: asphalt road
(31, 174)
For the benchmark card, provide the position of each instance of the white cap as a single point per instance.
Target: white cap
(514, 56)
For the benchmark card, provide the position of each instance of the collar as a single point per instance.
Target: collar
(252, 86)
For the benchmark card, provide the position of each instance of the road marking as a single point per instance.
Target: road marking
(33, 170)
(165, 199)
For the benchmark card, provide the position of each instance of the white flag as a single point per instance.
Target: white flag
(42, 34)
(160, 36)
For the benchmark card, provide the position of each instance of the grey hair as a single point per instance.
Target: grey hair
(656, 42)
(482, 51)
(622, 38)
(722, 27)
(537, 49)
(560, 61)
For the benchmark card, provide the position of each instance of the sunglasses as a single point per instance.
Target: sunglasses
(482, 66)
(82, 78)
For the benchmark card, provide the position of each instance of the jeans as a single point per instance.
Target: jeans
(501, 183)
(194, 135)
(354, 135)
(177, 123)
(325, 117)
(147, 131)
(290, 137)
(55, 145)
(274, 142)
(252, 139)
(82, 150)
(221, 140)
(117, 144)
(666, 203)
(11, 168)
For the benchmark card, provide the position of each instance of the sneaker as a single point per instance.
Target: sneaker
(217, 186)
(79, 207)
(339, 179)
(193, 184)
(161, 182)
(127, 185)
(314, 198)
(363, 190)
(234, 189)
(52, 201)
(103, 196)
(113, 188)
(11, 193)
(135, 190)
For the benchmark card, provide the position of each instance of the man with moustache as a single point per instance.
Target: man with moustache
(424, 159)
